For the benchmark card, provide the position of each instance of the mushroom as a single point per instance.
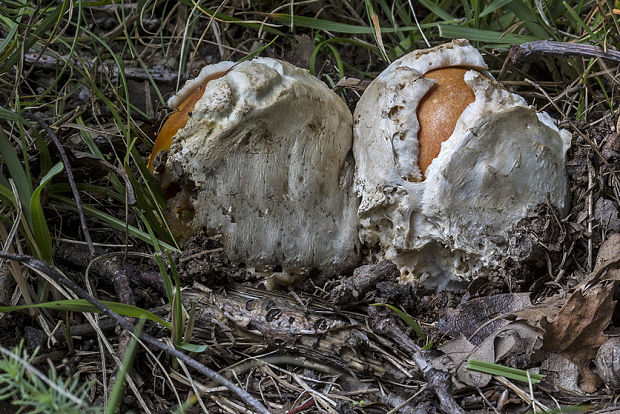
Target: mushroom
(265, 159)
(443, 180)
(184, 101)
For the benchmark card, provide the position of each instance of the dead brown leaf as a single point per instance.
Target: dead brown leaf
(547, 309)
(606, 213)
(512, 339)
(607, 266)
(561, 373)
(480, 317)
(577, 331)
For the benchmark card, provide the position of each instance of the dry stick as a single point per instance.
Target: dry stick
(86, 329)
(359, 85)
(401, 401)
(130, 195)
(519, 53)
(274, 360)
(119, 278)
(74, 190)
(486, 400)
(305, 406)
(129, 190)
(117, 274)
(437, 380)
(40, 266)
(590, 213)
(77, 256)
(51, 63)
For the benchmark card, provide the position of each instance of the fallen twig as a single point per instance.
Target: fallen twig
(522, 52)
(129, 190)
(40, 266)
(120, 281)
(157, 74)
(118, 275)
(305, 406)
(84, 330)
(359, 85)
(242, 313)
(363, 280)
(437, 380)
(74, 190)
(38, 337)
(77, 256)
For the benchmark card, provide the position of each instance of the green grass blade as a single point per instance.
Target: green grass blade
(81, 305)
(166, 278)
(52, 14)
(230, 19)
(258, 51)
(405, 317)
(335, 27)
(436, 10)
(6, 195)
(320, 24)
(374, 22)
(60, 188)
(396, 18)
(338, 59)
(10, 41)
(45, 160)
(7, 115)
(495, 5)
(116, 394)
(578, 19)
(114, 222)
(16, 172)
(502, 371)
(476, 19)
(324, 43)
(192, 347)
(460, 32)
(177, 318)
(40, 231)
(529, 18)
(151, 200)
(148, 197)
(67, 59)
(604, 90)
(88, 139)
(178, 312)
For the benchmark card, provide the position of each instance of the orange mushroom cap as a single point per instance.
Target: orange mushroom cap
(178, 119)
(439, 111)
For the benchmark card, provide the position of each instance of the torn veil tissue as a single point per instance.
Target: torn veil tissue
(265, 159)
(502, 159)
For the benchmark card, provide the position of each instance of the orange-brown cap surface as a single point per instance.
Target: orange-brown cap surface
(439, 111)
(178, 119)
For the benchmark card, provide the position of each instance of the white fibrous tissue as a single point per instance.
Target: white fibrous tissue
(502, 159)
(271, 159)
(265, 159)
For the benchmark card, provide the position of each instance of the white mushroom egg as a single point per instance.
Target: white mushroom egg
(265, 159)
(444, 218)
